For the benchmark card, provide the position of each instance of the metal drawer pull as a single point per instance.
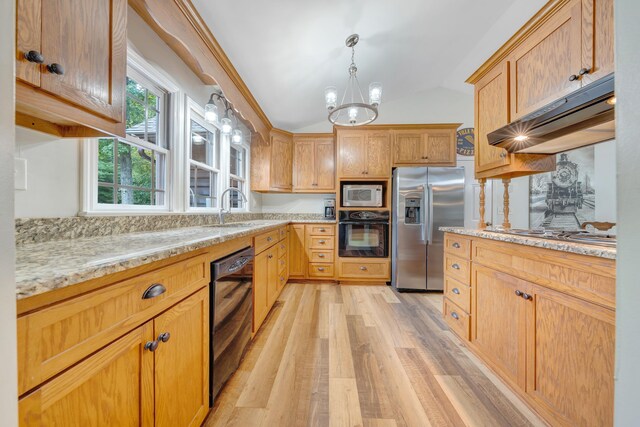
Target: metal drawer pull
(320, 268)
(527, 297)
(153, 291)
(456, 266)
(322, 242)
(518, 292)
(270, 256)
(282, 279)
(455, 315)
(151, 345)
(164, 337)
(269, 239)
(320, 255)
(322, 230)
(363, 268)
(456, 291)
(456, 245)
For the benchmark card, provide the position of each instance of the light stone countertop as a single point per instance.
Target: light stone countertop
(42, 267)
(557, 245)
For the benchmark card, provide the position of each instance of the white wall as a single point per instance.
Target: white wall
(628, 160)
(8, 357)
(294, 203)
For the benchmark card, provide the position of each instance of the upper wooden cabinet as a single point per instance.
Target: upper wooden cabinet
(71, 66)
(567, 44)
(272, 162)
(314, 163)
(433, 145)
(364, 153)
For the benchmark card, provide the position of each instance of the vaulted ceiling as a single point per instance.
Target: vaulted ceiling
(288, 51)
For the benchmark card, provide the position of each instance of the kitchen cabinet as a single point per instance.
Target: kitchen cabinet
(319, 249)
(597, 39)
(71, 66)
(543, 320)
(297, 252)
(364, 154)
(272, 162)
(133, 380)
(363, 269)
(314, 163)
(425, 146)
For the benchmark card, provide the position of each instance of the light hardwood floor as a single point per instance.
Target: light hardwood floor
(332, 355)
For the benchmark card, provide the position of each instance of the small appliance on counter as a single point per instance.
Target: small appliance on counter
(362, 195)
(329, 208)
(363, 234)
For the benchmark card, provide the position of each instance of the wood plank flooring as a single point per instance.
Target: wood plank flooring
(343, 355)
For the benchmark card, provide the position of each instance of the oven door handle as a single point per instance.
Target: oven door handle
(364, 222)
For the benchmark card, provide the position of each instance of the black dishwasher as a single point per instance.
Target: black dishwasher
(231, 316)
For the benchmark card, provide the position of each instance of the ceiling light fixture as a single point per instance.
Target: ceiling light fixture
(521, 138)
(355, 112)
(211, 114)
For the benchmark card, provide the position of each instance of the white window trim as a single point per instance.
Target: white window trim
(89, 147)
(194, 111)
(245, 180)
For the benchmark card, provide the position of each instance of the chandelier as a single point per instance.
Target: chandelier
(353, 110)
(226, 124)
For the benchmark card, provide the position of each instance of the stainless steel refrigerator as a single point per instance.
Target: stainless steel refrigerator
(424, 199)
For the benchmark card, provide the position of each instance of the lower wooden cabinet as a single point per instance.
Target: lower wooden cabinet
(270, 274)
(364, 269)
(140, 377)
(297, 253)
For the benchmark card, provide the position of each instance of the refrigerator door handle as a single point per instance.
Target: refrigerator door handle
(423, 220)
(430, 201)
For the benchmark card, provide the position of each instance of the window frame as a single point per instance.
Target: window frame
(195, 112)
(144, 73)
(245, 180)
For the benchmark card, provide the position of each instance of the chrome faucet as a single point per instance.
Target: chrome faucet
(222, 211)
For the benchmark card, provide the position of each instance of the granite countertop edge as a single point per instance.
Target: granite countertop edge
(41, 268)
(576, 248)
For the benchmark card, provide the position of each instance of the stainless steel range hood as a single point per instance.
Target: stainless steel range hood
(582, 118)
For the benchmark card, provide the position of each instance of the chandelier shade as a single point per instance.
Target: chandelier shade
(353, 110)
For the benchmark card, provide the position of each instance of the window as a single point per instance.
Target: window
(132, 173)
(237, 175)
(203, 142)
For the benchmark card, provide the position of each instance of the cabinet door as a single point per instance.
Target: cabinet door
(89, 43)
(304, 171)
(378, 159)
(112, 387)
(182, 363)
(281, 162)
(325, 165)
(297, 255)
(491, 113)
(541, 68)
(352, 154)
(273, 277)
(260, 284)
(28, 27)
(408, 147)
(440, 147)
(570, 364)
(498, 328)
(597, 39)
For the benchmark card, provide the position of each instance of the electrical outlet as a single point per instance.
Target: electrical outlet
(20, 174)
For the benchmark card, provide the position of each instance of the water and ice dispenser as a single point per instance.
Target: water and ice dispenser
(412, 208)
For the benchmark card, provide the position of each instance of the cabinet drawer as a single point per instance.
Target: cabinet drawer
(57, 337)
(321, 230)
(364, 269)
(317, 255)
(458, 293)
(282, 233)
(264, 240)
(320, 270)
(457, 268)
(282, 264)
(315, 242)
(457, 319)
(458, 246)
(283, 248)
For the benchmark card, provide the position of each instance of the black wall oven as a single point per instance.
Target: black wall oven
(363, 234)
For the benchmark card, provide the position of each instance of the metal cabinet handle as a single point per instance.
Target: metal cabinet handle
(573, 77)
(55, 69)
(584, 71)
(270, 256)
(503, 155)
(320, 268)
(269, 239)
(527, 297)
(455, 266)
(322, 242)
(151, 345)
(456, 291)
(320, 255)
(34, 56)
(455, 315)
(456, 245)
(518, 293)
(322, 230)
(153, 291)
(164, 337)
(282, 279)
(363, 268)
